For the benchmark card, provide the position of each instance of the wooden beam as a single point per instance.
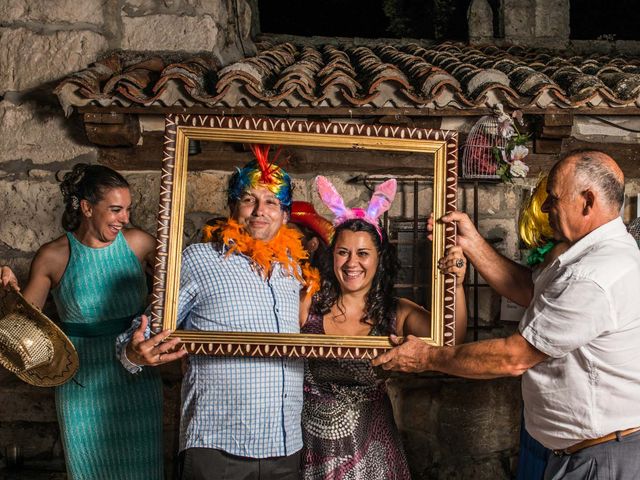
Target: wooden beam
(227, 156)
(558, 119)
(355, 112)
(560, 131)
(540, 163)
(112, 129)
(547, 145)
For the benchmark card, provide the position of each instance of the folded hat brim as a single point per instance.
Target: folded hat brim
(64, 364)
(318, 224)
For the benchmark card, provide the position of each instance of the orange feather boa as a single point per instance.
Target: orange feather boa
(285, 248)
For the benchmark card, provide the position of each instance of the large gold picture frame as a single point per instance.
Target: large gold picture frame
(180, 129)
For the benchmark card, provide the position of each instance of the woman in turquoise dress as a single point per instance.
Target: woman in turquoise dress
(110, 421)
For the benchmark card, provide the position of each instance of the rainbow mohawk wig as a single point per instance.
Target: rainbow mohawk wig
(261, 173)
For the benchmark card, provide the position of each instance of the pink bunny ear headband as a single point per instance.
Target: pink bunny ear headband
(380, 202)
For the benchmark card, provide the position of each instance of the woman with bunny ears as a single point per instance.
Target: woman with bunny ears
(348, 426)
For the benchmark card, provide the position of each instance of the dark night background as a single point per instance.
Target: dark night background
(435, 19)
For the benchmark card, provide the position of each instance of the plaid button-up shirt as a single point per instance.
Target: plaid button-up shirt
(249, 407)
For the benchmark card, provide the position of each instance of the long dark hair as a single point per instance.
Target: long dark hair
(381, 304)
(86, 182)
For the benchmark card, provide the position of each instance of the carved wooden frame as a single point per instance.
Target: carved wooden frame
(181, 128)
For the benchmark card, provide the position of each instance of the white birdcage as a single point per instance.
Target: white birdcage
(478, 158)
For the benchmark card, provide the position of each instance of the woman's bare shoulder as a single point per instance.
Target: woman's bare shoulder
(412, 318)
(406, 307)
(140, 241)
(52, 257)
(135, 233)
(59, 246)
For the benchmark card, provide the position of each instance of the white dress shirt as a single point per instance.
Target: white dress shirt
(585, 315)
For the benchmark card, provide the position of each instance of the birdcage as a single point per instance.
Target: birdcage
(478, 158)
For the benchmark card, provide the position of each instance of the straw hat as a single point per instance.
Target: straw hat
(303, 213)
(32, 346)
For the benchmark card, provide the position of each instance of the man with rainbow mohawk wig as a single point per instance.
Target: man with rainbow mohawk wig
(261, 173)
(240, 415)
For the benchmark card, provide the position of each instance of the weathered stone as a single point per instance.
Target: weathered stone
(234, 42)
(45, 11)
(225, 33)
(207, 192)
(554, 25)
(188, 7)
(632, 186)
(488, 198)
(20, 267)
(143, 7)
(480, 17)
(447, 424)
(519, 19)
(594, 130)
(505, 229)
(29, 59)
(145, 195)
(404, 206)
(488, 306)
(31, 213)
(459, 124)
(511, 201)
(169, 32)
(500, 466)
(36, 439)
(302, 189)
(40, 135)
(626, 47)
(27, 403)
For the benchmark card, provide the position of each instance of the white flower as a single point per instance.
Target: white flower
(518, 168)
(518, 153)
(505, 127)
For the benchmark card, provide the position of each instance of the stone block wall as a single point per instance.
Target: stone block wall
(452, 428)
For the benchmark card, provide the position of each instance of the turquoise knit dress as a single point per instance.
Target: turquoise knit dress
(110, 420)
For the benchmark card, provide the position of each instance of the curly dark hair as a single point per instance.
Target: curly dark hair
(86, 182)
(381, 304)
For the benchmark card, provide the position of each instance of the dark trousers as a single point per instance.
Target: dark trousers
(614, 460)
(212, 464)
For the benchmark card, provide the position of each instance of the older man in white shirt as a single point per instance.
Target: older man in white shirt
(577, 344)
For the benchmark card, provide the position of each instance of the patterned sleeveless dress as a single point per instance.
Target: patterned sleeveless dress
(347, 421)
(110, 420)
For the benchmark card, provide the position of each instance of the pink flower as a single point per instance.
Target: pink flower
(518, 153)
(505, 127)
(517, 115)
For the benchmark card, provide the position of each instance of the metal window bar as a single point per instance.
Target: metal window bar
(420, 248)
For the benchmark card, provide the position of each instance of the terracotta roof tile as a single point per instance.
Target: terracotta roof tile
(447, 75)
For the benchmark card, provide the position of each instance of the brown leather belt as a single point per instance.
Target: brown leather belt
(595, 441)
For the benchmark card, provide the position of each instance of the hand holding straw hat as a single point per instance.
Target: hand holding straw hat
(32, 346)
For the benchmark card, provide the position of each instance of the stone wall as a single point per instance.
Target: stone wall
(538, 24)
(452, 428)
